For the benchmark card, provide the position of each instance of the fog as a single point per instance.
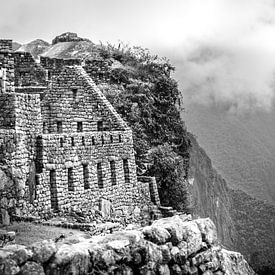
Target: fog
(224, 50)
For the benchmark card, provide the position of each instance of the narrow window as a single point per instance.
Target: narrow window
(70, 179)
(83, 141)
(126, 171)
(119, 138)
(72, 140)
(59, 126)
(74, 93)
(86, 176)
(53, 190)
(44, 127)
(61, 142)
(100, 126)
(111, 139)
(113, 172)
(37, 183)
(102, 139)
(49, 75)
(93, 140)
(79, 127)
(99, 175)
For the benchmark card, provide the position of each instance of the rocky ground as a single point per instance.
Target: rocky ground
(174, 245)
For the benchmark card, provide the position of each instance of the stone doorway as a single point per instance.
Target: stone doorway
(53, 190)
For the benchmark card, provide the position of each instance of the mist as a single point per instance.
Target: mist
(223, 50)
(232, 64)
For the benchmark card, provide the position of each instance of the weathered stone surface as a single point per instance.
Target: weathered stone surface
(32, 268)
(126, 252)
(233, 263)
(105, 207)
(10, 267)
(208, 230)
(43, 251)
(174, 225)
(163, 269)
(22, 255)
(156, 234)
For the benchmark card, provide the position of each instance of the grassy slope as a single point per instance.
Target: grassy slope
(28, 233)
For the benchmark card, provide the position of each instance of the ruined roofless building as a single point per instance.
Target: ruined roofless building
(63, 141)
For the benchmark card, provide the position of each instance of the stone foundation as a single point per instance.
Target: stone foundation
(169, 246)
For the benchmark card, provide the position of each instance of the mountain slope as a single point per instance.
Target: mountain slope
(35, 47)
(242, 147)
(244, 224)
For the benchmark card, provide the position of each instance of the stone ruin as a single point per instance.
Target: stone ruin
(62, 142)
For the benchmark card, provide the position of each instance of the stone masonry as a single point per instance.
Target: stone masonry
(62, 138)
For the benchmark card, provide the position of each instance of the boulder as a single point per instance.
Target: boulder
(208, 230)
(32, 268)
(10, 267)
(156, 234)
(42, 251)
(174, 225)
(233, 263)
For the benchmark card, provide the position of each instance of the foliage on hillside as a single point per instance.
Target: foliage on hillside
(143, 92)
(256, 230)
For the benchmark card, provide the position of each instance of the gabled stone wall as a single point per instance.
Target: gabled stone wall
(27, 71)
(6, 72)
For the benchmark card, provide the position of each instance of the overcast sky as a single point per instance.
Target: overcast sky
(224, 49)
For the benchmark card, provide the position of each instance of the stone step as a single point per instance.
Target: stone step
(165, 208)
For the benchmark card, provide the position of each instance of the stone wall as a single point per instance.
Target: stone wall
(27, 71)
(98, 70)
(175, 245)
(5, 45)
(75, 98)
(59, 155)
(53, 66)
(6, 72)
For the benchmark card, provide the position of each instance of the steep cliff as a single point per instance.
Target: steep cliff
(243, 223)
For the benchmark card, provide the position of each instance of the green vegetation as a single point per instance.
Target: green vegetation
(143, 92)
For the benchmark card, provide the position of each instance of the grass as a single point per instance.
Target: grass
(28, 233)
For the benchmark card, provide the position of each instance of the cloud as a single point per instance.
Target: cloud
(232, 62)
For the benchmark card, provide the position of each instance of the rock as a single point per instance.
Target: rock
(32, 268)
(166, 254)
(192, 236)
(174, 225)
(176, 270)
(124, 270)
(10, 267)
(148, 269)
(156, 234)
(5, 217)
(154, 252)
(105, 207)
(7, 236)
(22, 255)
(208, 230)
(42, 251)
(233, 263)
(163, 269)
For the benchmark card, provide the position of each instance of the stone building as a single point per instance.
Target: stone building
(63, 141)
